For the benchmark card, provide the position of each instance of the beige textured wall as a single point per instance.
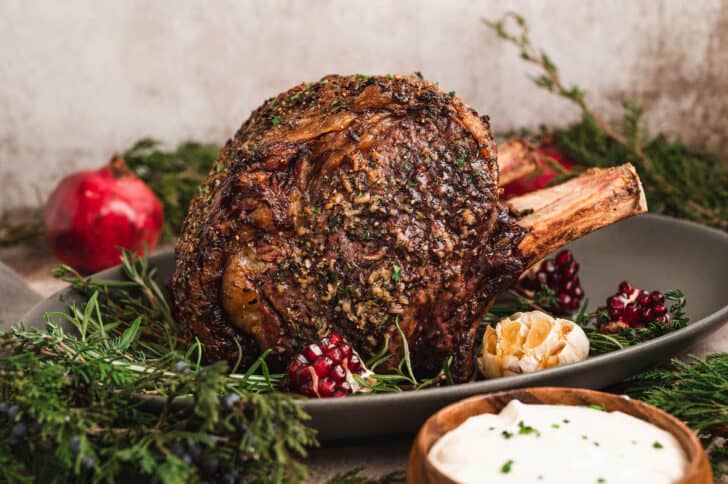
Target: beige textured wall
(80, 79)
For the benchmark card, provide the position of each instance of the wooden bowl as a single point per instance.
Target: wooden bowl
(421, 471)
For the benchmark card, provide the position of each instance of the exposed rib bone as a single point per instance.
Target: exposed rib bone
(516, 158)
(560, 214)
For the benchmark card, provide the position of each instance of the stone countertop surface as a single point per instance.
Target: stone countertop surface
(33, 265)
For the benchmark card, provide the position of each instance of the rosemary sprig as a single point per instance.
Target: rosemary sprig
(696, 392)
(70, 405)
(678, 180)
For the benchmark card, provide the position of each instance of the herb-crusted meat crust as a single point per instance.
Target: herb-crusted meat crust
(349, 204)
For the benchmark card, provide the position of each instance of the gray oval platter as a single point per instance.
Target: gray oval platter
(651, 251)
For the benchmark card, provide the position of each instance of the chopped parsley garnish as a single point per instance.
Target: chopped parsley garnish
(276, 121)
(506, 434)
(335, 103)
(460, 162)
(396, 273)
(601, 408)
(362, 76)
(451, 93)
(506, 468)
(295, 96)
(390, 76)
(315, 209)
(325, 81)
(657, 445)
(526, 429)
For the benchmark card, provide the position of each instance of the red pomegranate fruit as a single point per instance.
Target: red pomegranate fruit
(325, 369)
(631, 307)
(546, 172)
(91, 214)
(561, 275)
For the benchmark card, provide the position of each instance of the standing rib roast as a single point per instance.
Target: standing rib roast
(357, 203)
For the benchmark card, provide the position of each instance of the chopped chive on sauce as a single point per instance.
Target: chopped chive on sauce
(601, 408)
(566, 420)
(596, 444)
(525, 429)
(555, 426)
(506, 468)
(657, 445)
(506, 434)
(601, 480)
(584, 437)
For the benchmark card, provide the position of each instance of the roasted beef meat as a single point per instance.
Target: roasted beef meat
(358, 205)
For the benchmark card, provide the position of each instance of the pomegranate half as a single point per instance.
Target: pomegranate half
(92, 214)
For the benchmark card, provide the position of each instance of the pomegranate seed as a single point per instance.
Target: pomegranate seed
(571, 270)
(303, 375)
(329, 368)
(629, 315)
(326, 387)
(335, 354)
(559, 274)
(659, 309)
(338, 373)
(354, 362)
(647, 307)
(322, 365)
(563, 257)
(345, 350)
(646, 315)
(311, 352)
(626, 288)
(615, 303)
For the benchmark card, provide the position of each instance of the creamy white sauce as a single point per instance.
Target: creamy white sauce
(558, 444)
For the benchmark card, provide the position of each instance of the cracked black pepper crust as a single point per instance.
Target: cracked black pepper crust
(349, 204)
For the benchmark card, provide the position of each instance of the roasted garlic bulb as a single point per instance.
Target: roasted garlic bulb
(528, 342)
